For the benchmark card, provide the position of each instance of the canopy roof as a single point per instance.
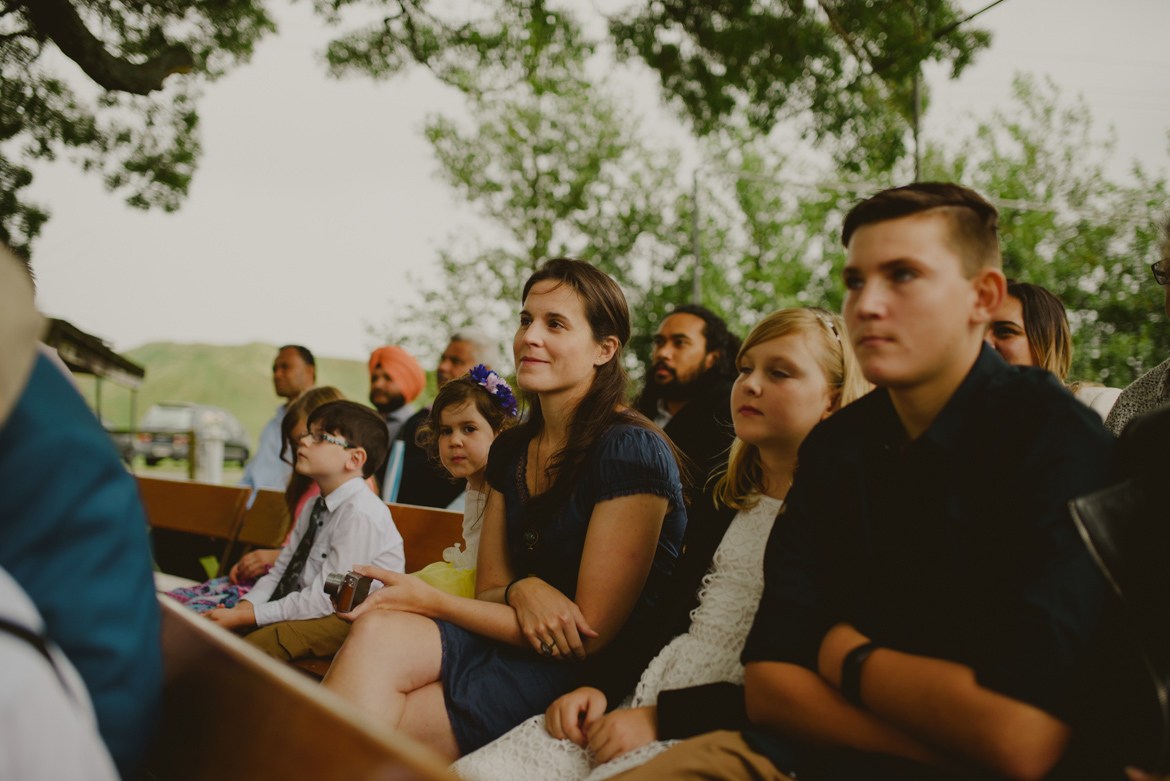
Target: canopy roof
(87, 354)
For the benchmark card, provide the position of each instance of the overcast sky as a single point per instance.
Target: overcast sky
(316, 198)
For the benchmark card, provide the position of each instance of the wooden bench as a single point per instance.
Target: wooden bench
(426, 532)
(231, 712)
(219, 511)
(203, 509)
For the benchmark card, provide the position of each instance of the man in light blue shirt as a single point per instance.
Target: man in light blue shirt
(293, 372)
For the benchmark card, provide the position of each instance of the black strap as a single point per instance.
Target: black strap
(851, 672)
(36, 641)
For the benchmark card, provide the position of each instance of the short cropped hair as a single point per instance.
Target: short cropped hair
(358, 425)
(487, 350)
(717, 336)
(974, 222)
(1045, 326)
(306, 356)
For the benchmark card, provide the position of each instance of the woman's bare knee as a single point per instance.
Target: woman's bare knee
(386, 644)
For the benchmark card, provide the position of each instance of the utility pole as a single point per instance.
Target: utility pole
(918, 87)
(697, 277)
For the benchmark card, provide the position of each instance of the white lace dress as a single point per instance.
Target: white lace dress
(707, 653)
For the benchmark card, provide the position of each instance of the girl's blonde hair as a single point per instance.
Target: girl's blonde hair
(739, 486)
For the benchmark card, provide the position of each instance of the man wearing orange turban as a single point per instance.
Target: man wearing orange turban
(396, 380)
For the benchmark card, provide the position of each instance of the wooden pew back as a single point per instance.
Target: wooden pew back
(426, 531)
(196, 508)
(231, 712)
(266, 522)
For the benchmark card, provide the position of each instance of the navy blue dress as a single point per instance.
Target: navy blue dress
(490, 687)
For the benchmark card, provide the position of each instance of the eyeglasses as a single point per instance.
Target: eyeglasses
(318, 437)
(1161, 273)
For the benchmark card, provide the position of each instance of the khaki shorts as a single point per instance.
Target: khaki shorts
(288, 640)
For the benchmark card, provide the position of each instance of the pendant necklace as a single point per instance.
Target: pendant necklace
(532, 536)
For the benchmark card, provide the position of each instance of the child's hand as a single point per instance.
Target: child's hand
(253, 565)
(571, 715)
(623, 731)
(242, 614)
(400, 592)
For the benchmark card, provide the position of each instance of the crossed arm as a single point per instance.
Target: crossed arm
(619, 550)
(928, 710)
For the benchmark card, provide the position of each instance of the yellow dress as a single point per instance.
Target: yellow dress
(455, 574)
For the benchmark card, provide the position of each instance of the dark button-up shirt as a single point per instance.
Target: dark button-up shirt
(957, 545)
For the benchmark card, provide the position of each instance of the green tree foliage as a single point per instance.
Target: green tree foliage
(844, 69)
(1065, 223)
(558, 172)
(139, 133)
(1068, 226)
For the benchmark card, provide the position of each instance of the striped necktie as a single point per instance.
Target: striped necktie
(290, 581)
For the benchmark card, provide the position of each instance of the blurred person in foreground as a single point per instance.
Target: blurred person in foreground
(74, 536)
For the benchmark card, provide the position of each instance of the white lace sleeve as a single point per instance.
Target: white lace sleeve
(526, 753)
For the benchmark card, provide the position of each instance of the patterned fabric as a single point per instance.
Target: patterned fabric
(218, 592)
(1146, 393)
(707, 653)
(290, 581)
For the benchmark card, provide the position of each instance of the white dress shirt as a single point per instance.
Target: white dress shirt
(47, 724)
(265, 469)
(356, 528)
(664, 414)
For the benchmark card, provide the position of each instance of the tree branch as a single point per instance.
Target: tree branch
(59, 21)
(844, 35)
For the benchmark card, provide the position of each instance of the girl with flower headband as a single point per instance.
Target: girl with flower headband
(465, 418)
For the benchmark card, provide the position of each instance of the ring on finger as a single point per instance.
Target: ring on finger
(545, 648)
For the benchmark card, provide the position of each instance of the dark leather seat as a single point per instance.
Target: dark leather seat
(1127, 529)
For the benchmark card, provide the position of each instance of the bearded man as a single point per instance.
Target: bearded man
(688, 386)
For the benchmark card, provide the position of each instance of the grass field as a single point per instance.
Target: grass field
(237, 378)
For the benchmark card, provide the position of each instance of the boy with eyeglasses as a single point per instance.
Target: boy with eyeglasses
(347, 525)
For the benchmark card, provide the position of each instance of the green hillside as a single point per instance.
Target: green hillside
(237, 378)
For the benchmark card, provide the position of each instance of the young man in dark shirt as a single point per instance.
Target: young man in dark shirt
(929, 610)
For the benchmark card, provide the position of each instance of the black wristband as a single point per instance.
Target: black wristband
(509, 588)
(851, 672)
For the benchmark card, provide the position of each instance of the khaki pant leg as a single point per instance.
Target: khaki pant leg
(288, 640)
(712, 757)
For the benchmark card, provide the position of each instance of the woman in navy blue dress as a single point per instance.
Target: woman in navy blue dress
(581, 532)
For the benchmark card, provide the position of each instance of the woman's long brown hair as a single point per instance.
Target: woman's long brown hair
(298, 410)
(604, 405)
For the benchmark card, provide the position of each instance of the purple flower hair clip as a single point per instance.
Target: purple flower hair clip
(495, 385)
